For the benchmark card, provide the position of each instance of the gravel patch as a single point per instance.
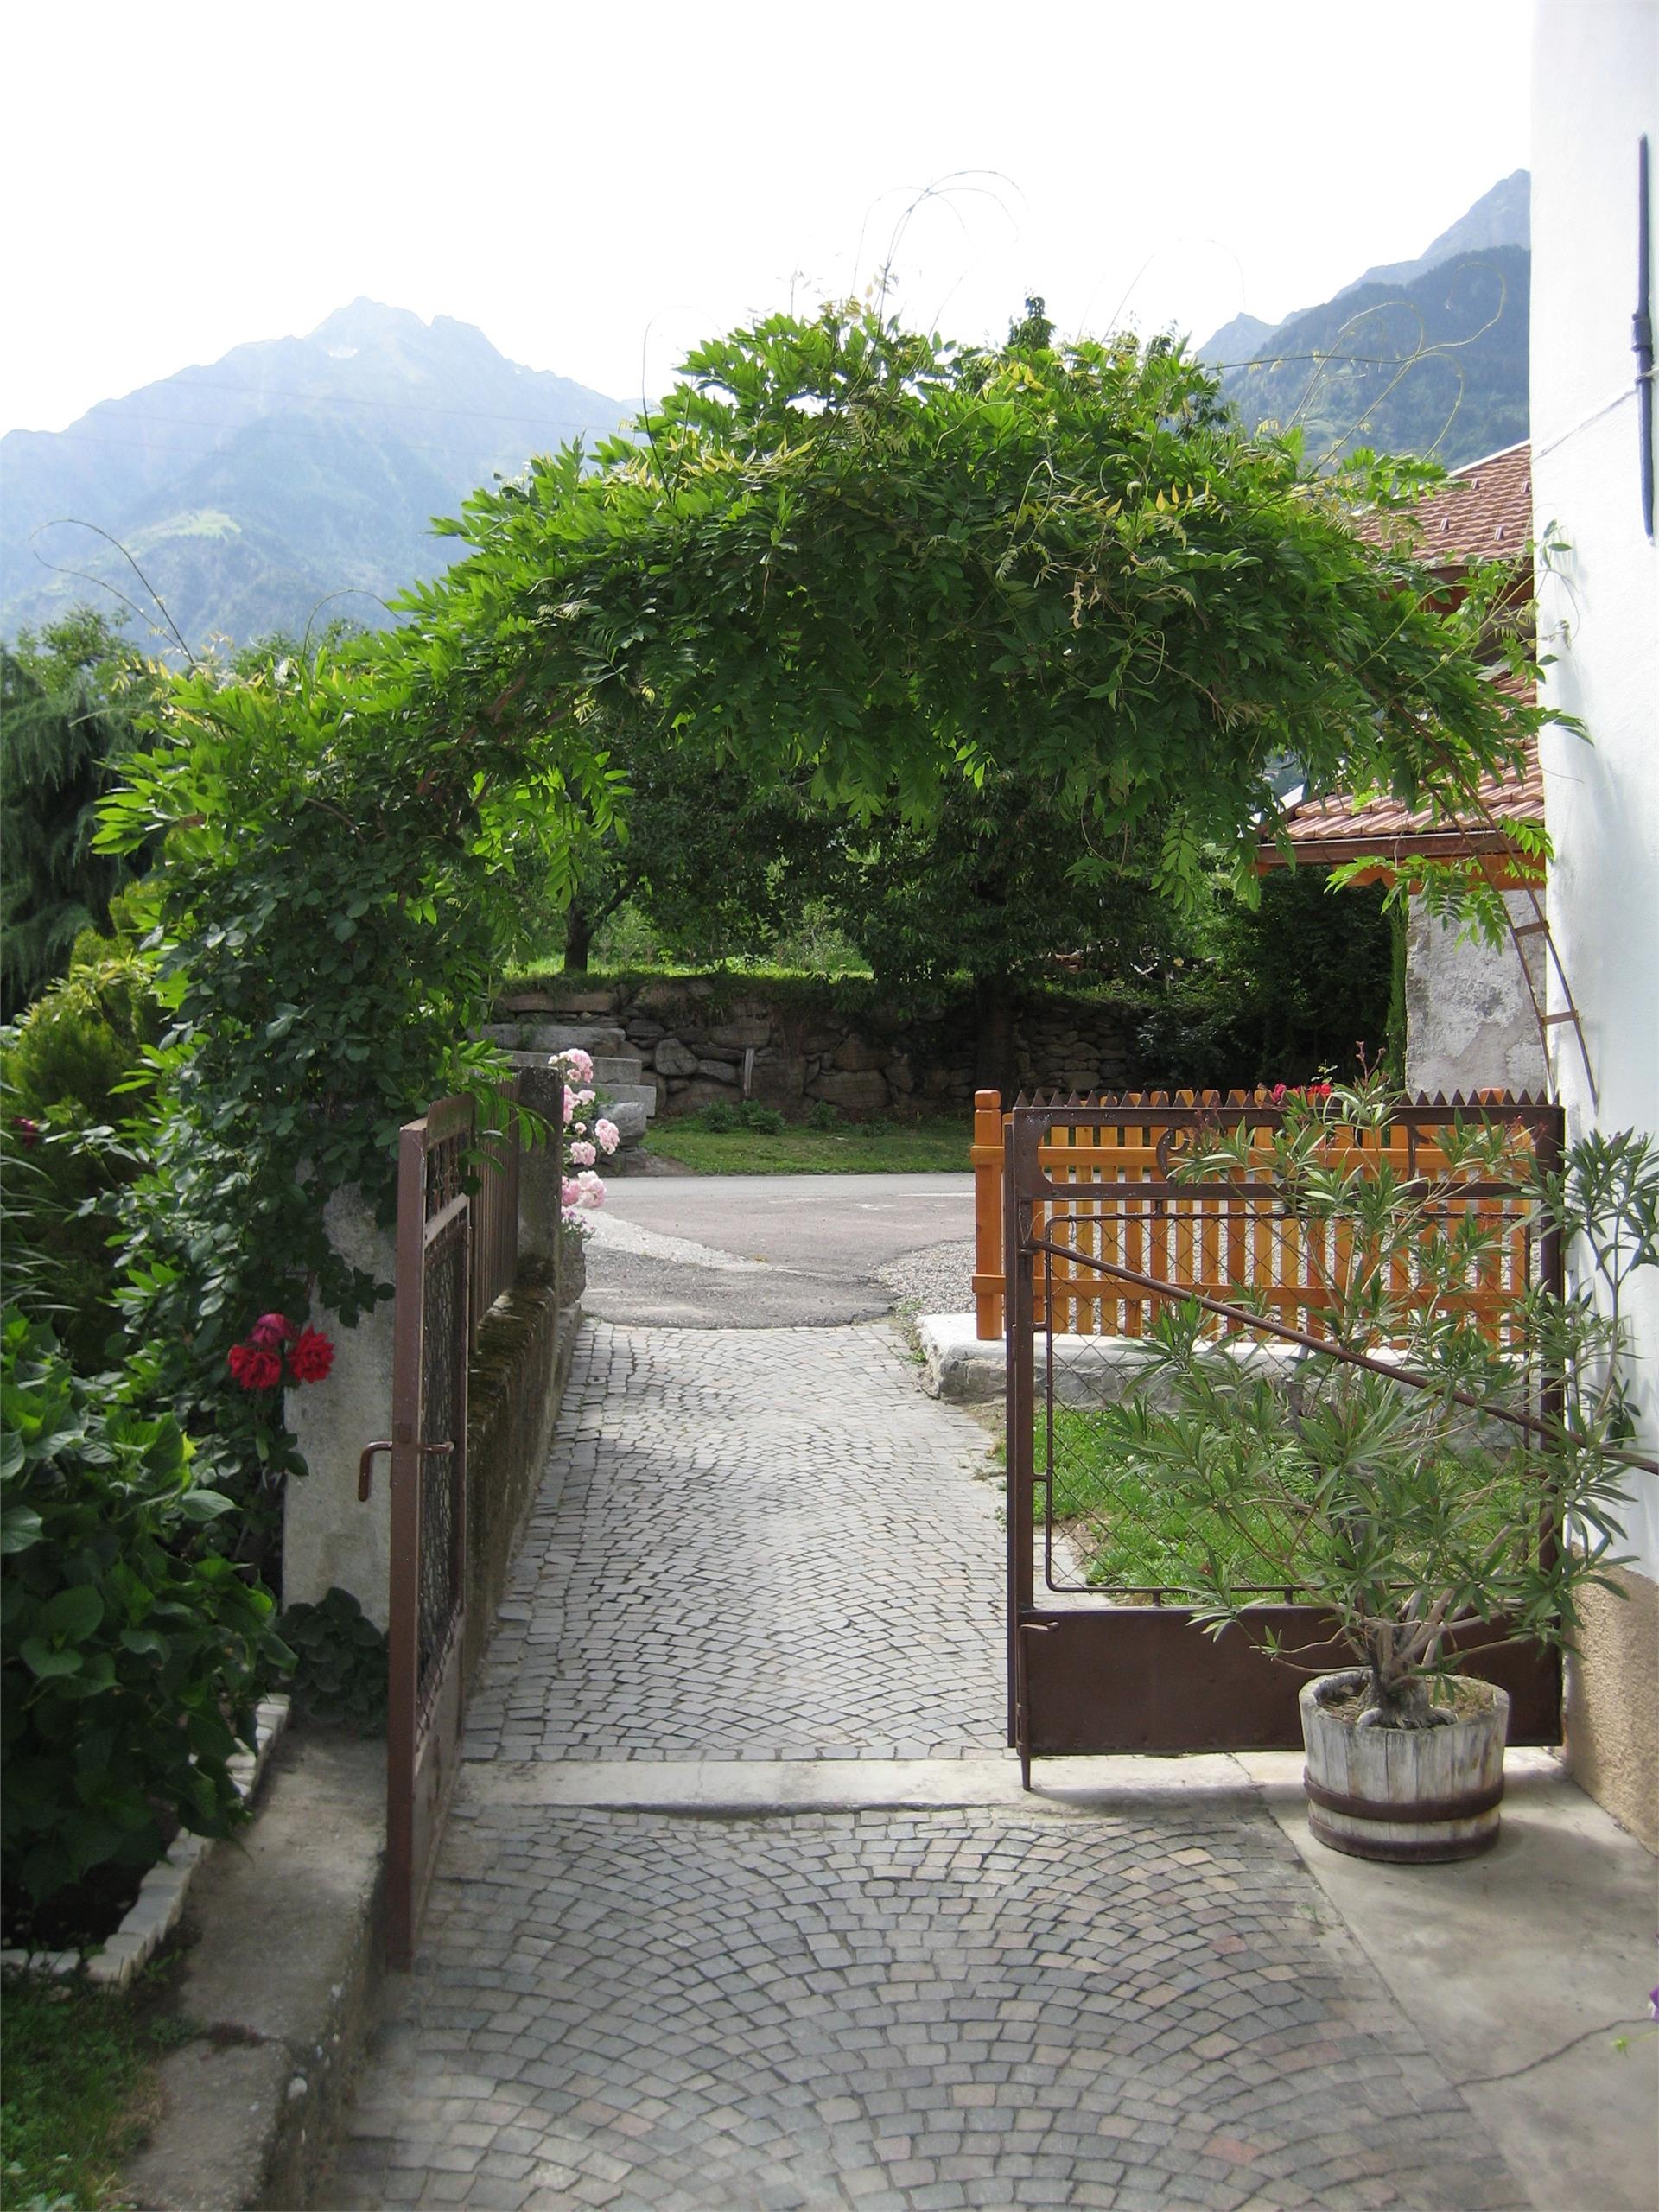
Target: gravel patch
(937, 1279)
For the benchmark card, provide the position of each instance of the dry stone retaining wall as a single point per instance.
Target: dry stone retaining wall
(692, 1035)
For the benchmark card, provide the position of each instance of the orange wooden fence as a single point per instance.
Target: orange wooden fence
(1118, 1205)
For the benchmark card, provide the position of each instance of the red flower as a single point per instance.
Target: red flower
(270, 1330)
(28, 1130)
(256, 1367)
(311, 1357)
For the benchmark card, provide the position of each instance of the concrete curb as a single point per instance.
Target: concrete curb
(279, 1981)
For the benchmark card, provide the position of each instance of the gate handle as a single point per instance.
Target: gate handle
(365, 1464)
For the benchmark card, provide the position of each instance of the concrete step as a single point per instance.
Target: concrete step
(618, 1067)
(557, 1037)
(630, 1094)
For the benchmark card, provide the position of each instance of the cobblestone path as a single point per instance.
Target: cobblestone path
(769, 1545)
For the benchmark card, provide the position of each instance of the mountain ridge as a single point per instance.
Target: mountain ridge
(324, 458)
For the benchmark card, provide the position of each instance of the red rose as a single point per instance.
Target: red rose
(256, 1367)
(270, 1330)
(311, 1357)
(28, 1130)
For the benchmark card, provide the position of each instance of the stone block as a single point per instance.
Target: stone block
(700, 1092)
(672, 1057)
(743, 1034)
(629, 1116)
(549, 1036)
(717, 1070)
(855, 1055)
(856, 1091)
(780, 1079)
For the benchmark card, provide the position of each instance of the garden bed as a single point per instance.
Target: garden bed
(1127, 1533)
(155, 1911)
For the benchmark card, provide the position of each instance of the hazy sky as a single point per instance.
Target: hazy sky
(597, 185)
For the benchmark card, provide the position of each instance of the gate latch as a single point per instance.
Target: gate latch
(366, 1468)
(365, 1463)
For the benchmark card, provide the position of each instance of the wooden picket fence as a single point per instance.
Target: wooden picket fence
(1114, 1202)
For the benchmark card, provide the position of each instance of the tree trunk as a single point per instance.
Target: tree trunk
(579, 927)
(994, 1068)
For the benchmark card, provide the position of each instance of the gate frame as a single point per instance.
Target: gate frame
(1190, 1691)
(423, 1732)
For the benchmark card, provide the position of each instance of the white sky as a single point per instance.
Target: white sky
(599, 185)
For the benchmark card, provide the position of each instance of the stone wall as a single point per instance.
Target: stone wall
(693, 1036)
(1470, 1018)
(513, 1389)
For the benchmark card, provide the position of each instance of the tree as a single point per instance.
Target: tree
(886, 568)
(68, 697)
(720, 863)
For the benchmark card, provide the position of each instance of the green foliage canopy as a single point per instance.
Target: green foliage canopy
(846, 551)
(69, 694)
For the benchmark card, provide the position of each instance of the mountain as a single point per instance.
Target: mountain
(1421, 356)
(1500, 216)
(250, 491)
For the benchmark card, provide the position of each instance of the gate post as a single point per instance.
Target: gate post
(329, 1540)
(991, 1248)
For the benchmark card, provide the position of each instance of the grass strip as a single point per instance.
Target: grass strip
(73, 2102)
(923, 1147)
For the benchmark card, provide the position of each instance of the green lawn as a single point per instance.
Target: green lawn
(1133, 1535)
(74, 2102)
(879, 1149)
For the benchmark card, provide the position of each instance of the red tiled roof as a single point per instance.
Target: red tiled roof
(1481, 511)
(1323, 831)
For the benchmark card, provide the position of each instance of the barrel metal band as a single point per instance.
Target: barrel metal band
(1425, 1810)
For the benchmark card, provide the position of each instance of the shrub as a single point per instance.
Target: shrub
(62, 1073)
(764, 1120)
(718, 1117)
(132, 1660)
(339, 1661)
(823, 1115)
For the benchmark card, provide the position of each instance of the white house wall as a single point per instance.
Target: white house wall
(1595, 92)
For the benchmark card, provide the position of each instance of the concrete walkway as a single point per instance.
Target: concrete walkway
(741, 1905)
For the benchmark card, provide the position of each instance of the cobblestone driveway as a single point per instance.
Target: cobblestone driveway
(770, 1545)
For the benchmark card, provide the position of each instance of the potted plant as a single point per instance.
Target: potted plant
(1443, 1474)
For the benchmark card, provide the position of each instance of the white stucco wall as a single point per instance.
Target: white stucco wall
(1595, 91)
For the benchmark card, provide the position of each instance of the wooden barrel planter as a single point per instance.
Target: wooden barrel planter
(1407, 1797)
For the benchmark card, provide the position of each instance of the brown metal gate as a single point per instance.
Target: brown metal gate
(429, 1505)
(1127, 1668)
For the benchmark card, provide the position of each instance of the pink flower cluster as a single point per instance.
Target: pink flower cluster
(1312, 1092)
(583, 1144)
(275, 1351)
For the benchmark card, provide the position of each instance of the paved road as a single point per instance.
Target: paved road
(763, 1251)
(753, 1544)
(768, 1549)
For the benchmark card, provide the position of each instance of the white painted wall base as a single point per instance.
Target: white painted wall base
(328, 1539)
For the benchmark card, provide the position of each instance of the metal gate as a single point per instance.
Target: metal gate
(428, 1606)
(1126, 1669)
